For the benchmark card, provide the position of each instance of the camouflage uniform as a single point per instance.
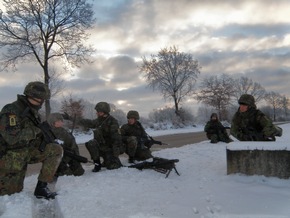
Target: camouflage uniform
(135, 139)
(253, 125)
(19, 144)
(68, 166)
(215, 131)
(107, 142)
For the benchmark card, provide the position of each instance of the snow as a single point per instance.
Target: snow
(203, 190)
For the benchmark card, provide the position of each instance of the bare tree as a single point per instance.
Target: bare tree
(43, 30)
(73, 107)
(172, 72)
(285, 106)
(216, 91)
(244, 85)
(275, 100)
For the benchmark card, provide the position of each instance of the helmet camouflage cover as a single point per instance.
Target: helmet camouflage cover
(247, 100)
(133, 114)
(53, 117)
(37, 90)
(103, 107)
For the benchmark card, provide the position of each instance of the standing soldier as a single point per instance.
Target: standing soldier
(107, 142)
(215, 131)
(250, 124)
(67, 166)
(21, 138)
(135, 138)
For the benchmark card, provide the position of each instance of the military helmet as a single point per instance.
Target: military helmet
(53, 117)
(214, 115)
(103, 107)
(37, 90)
(247, 100)
(133, 114)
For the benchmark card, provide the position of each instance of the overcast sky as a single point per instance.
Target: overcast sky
(239, 38)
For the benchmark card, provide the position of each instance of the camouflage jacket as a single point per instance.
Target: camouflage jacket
(133, 130)
(252, 125)
(16, 128)
(214, 127)
(66, 140)
(106, 132)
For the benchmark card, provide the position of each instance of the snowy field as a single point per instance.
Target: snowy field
(203, 190)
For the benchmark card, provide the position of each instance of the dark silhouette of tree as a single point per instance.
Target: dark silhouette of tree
(275, 100)
(244, 85)
(172, 72)
(43, 31)
(217, 91)
(285, 106)
(73, 107)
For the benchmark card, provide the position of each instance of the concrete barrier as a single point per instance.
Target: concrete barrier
(259, 158)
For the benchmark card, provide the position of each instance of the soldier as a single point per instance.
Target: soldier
(67, 166)
(20, 141)
(135, 138)
(107, 142)
(215, 131)
(250, 124)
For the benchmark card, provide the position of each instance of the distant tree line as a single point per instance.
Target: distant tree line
(174, 74)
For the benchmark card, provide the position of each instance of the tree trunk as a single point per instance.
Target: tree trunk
(46, 81)
(176, 106)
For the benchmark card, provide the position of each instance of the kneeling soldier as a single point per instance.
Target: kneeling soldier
(20, 141)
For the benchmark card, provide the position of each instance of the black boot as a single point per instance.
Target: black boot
(98, 166)
(131, 160)
(42, 191)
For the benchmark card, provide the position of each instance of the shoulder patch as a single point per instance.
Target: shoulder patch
(12, 119)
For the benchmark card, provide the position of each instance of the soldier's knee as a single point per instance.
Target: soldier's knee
(132, 141)
(54, 149)
(11, 183)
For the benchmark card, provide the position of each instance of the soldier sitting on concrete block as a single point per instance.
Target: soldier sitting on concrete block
(250, 124)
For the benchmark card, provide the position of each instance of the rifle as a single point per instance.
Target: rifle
(148, 142)
(252, 135)
(48, 135)
(76, 157)
(156, 142)
(158, 164)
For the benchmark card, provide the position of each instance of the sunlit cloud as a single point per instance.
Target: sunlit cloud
(247, 37)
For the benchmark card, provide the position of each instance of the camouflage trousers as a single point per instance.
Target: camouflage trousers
(215, 138)
(68, 168)
(138, 152)
(13, 166)
(111, 161)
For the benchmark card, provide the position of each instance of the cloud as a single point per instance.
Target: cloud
(249, 38)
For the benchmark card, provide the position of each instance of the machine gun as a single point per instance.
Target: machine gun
(158, 164)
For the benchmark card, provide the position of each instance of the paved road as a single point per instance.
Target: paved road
(173, 140)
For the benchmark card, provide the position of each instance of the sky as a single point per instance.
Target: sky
(239, 38)
(203, 189)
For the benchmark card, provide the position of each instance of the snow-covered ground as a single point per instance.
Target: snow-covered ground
(203, 189)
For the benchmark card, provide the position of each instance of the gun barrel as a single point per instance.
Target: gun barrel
(76, 157)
